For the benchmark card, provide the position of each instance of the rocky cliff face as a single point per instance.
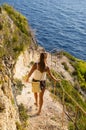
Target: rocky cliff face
(8, 108)
(14, 38)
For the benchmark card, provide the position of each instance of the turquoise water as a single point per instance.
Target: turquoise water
(59, 24)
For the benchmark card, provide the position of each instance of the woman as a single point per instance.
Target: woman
(40, 69)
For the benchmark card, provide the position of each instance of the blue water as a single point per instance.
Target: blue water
(57, 24)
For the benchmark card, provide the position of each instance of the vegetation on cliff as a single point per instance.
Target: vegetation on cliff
(15, 34)
(79, 70)
(73, 95)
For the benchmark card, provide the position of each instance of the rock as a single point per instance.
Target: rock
(2, 105)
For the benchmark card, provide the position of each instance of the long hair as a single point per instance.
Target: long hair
(42, 65)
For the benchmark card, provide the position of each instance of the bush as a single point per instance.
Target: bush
(19, 86)
(16, 39)
(19, 20)
(65, 65)
(74, 73)
(32, 62)
(22, 112)
(18, 126)
(72, 58)
(23, 116)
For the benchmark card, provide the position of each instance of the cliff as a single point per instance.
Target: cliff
(15, 36)
(18, 51)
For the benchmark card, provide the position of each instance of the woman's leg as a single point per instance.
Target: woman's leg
(36, 99)
(41, 94)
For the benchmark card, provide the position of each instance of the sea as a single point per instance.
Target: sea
(57, 24)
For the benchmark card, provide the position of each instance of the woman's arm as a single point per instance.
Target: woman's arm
(31, 71)
(51, 76)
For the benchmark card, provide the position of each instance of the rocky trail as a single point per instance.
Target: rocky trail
(52, 110)
(51, 115)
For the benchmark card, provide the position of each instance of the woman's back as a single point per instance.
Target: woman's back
(38, 75)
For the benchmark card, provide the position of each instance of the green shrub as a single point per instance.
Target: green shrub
(72, 58)
(18, 126)
(65, 65)
(12, 101)
(23, 117)
(81, 74)
(74, 73)
(19, 86)
(82, 67)
(74, 94)
(2, 52)
(82, 122)
(17, 38)
(32, 62)
(71, 126)
(23, 113)
(19, 20)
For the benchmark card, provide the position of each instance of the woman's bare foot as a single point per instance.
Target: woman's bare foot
(38, 113)
(36, 104)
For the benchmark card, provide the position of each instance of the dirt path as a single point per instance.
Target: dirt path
(51, 115)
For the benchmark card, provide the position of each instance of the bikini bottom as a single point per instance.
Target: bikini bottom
(42, 83)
